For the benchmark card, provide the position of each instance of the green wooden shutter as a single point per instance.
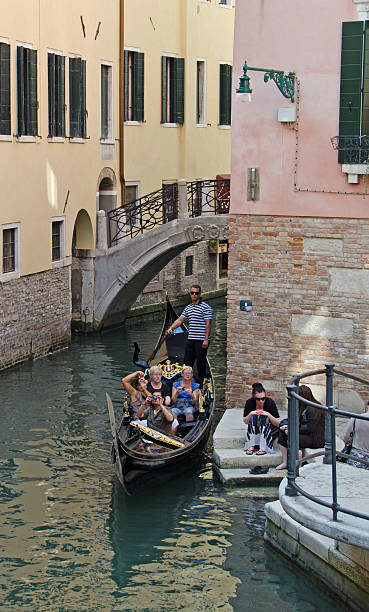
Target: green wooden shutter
(179, 84)
(83, 111)
(104, 101)
(51, 92)
(126, 84)
(138, 87)
(225, 94)
(60, 94)
(365, 96)
(5, 127)
(351, 81)
(20, 91)
(74, 96)
(32, 103)
(164, 92)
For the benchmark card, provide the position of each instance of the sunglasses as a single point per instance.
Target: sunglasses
(260, 399)
(195, 292)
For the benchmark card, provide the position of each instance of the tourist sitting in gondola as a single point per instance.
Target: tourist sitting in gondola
(156, 414)
(185, 395)
(262, 419)
(136, 386)
(156, 384)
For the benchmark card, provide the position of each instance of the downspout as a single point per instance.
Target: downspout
(121, 104)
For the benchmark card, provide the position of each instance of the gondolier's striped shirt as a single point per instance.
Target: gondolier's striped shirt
(197, 314)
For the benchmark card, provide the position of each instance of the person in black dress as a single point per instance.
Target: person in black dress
(262, 419)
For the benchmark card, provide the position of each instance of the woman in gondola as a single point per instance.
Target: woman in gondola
(155, 384)
(185, 394)
(136, 386)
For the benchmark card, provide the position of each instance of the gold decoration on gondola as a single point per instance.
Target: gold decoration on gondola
(170, 369)
(125, 406)
(201, 402)
(157, 435)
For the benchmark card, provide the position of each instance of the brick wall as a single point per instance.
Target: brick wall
(308, 280)
(35, 313)
(173, 280)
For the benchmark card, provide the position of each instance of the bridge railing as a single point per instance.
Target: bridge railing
(330, 452)
(209, 197)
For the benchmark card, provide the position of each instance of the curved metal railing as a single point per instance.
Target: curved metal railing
(204, 197)
(330, 453)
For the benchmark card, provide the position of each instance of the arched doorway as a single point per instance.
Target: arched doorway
(82, 269)
(106, 200)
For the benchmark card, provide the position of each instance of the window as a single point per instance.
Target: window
(57, 239)
(5, 128)
(10, 252)
(189, 265)
(106, 101)
(133, 86)
(226, 3)
(170, 202)
(77, 97)
(225, 94)
(354, 94)
(172, 90)
(56, 80)
(27, 91)
(132, 194)
(200, 92)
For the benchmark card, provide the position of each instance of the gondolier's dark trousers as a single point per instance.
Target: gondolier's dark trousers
(195, 352)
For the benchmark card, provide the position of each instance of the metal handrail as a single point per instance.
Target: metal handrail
(330, 452)
(204, 197)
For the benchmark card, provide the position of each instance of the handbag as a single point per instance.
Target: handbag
(348, 446)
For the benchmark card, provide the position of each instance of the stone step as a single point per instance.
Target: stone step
(227, 458)
(239, 477)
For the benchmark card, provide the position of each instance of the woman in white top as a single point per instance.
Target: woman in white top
(360, 440)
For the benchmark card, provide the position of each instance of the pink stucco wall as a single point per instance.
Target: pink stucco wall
(304, 37)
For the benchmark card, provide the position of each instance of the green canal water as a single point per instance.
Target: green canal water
(70, 540)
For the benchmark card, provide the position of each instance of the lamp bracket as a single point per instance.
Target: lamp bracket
(284, 82)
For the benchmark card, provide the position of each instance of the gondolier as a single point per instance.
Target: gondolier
(199, 316)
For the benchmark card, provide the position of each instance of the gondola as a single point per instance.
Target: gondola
(143, 456)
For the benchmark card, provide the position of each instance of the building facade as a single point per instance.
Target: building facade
(178, 72)
(59, 151)
(299, 201)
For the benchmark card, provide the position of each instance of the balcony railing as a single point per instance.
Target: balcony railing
(352, 149)
(330, 453)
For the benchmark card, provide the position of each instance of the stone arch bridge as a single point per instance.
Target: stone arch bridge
(114, 276)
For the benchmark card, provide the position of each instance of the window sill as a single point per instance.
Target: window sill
(6, 137)
(26, 138)
(224, 127)
(8, 276)
(226, 6)
(133, 123)
(77, 140)
(107, 141)
(170, 125)
(56, 139)
(353, 171)
(61, 263)
(201, 125)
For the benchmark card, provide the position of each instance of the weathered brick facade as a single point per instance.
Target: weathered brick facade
(35, 313)
(308, 280)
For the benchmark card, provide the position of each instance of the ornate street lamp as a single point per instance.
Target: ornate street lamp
(284, 82)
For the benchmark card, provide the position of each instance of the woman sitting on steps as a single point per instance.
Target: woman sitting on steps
(262, 419)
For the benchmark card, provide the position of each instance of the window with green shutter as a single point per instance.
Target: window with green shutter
(5, 127)
(354, 92)
(77, 97)
(106, 101)
(27, 104)
(225, 94)
(172, 90)
(56, 94)
(134, 94)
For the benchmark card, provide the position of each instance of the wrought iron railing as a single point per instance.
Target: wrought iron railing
(352, 149)
(330, 452)
(208, 197)
(162, 206)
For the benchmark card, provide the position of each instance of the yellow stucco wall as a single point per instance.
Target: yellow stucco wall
(192, 29)
(35, 176)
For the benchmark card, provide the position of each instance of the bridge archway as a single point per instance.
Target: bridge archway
(124, 270)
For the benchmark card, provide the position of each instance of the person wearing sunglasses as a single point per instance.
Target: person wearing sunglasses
(199, 316)
(262, 419)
